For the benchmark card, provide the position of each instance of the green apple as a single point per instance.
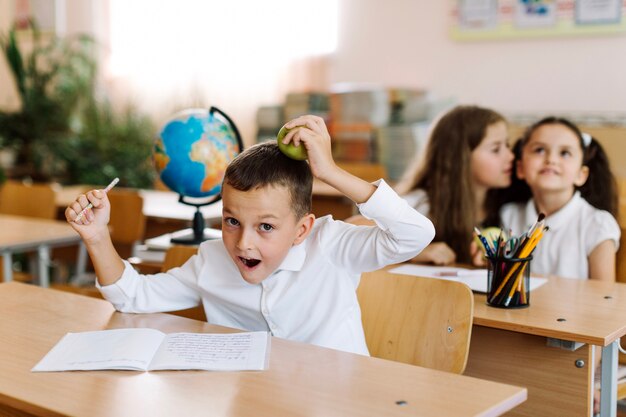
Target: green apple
(292, 151)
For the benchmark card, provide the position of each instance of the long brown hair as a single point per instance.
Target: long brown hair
(445, 176)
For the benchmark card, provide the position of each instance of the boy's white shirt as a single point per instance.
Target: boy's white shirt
(575, 231)
(419, 200)
(310, 298)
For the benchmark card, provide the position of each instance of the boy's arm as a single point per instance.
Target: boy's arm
(312, 132)
(92, 228)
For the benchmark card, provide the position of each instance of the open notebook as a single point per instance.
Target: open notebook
(145, 349)
(476, 279)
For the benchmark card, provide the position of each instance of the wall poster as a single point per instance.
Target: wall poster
(502, 19)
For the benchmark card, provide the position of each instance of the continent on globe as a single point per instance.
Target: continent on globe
(193, 150)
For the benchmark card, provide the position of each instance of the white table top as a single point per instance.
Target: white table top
(164, 204)
(157, 204)
(25, 233)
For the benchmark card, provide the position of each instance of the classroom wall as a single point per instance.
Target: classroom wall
(78, 18)
(406, 43)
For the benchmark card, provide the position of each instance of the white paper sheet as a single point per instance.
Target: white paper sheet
(476, 279)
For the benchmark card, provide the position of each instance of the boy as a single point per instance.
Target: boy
(276, 268)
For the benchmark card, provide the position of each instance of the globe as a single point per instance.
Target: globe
(191, 154)
(193, 149)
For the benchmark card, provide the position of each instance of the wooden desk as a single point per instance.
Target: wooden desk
(22, 234)
(510, 345)
(302, 380)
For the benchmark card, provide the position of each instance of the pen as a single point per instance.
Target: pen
(488, 250)
(106, 190)
(468, 273)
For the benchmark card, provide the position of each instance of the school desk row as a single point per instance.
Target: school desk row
(301, 380)
(546, 347)
(511, 346)
(571, 314)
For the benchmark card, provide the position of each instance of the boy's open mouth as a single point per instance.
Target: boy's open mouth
(249, 262)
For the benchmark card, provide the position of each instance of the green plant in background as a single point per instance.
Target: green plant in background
(62, 130)
(109, 145)
(52, 81)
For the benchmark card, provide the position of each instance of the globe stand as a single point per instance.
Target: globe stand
(198, 223)
(212, 125)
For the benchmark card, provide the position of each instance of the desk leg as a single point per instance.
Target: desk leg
(43, 253)
(7, 266)
(608, 386)
(81, 261)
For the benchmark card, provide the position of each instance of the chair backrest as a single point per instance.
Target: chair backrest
(620, 257)
(419, 321)
(621, 252)
(30, 200)
(127, 223)
(176, 256)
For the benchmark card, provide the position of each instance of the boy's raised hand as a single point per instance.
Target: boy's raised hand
(313, 134)
(93, 223)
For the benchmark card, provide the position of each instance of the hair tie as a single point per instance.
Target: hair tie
(586, 139)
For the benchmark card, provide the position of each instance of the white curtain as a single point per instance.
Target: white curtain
(168, 55)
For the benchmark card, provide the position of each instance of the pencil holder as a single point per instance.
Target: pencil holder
(508, 282)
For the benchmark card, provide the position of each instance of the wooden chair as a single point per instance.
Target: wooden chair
(419, 321)
(620, 259)
(621, 253)
(127, 223)
(29, 200)
(176, 256)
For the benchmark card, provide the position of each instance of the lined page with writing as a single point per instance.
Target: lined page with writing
(217, 352)
(149, 349)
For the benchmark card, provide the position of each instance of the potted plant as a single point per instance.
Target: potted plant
(110, 144)
(53, 79)
(62, 131)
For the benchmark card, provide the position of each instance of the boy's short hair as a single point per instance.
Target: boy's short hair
(264, 164)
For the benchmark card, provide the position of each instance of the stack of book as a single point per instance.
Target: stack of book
(397, 145)
(361, 106)
(353, 142)
(298, 104)
(408, 105)
(356, 113)
(269, 120)
(368, 123)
